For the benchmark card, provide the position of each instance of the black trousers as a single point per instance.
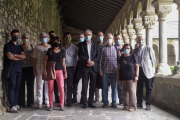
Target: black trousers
(27, 76)
(69, 84)
(88, 74)
(56, 91)
(148, 84)
(77, 77)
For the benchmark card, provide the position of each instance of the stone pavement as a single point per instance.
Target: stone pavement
(99, 113)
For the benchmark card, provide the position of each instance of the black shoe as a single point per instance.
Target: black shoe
(84, 106)
(74, 100)
(105, 106)
(148, 107)
(114, 106)
(139, 106)
(91, 106)
(69, 105)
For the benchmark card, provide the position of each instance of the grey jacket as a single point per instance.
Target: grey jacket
(148, 61)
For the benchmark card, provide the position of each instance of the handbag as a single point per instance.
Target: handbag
(50, 68)
(6, 72)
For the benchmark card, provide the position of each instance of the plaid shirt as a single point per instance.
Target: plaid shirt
(108, 60)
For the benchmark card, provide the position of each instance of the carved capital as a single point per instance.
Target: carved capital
(125, 36)
(131, 31)
(149, 21)
(138, 26)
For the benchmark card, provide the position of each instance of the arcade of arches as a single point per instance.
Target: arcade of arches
(135, 18)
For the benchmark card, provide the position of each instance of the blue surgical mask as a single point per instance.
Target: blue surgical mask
(118, 42)
(81, 39)
(44, 40)
(100, 38)
(126, 51)
(88, 38)
(15, 38)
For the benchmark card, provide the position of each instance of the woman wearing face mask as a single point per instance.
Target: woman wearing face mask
(38, 68)
(27, 73)
(57, 55)
(127, 75)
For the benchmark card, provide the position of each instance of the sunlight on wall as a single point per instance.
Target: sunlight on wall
(173, 16)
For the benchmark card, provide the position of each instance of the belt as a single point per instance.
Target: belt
(69, 66)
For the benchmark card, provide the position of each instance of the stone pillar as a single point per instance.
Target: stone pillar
(125, 36)
(177, 67)
(132, 35)
(162, 11)
(149, 22)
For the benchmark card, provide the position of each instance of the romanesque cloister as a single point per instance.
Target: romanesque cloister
(130, 18)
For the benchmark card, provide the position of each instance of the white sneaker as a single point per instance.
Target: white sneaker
(14, 110)
(17, 106)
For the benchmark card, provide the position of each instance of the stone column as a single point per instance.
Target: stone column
(162, 11)
(149, 22)
(132, 35)
(177, 67)
(125, 36)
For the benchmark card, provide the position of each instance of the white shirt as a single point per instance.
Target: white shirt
(89, 49)
(140, 54)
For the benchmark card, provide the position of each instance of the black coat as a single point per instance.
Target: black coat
(84, 57)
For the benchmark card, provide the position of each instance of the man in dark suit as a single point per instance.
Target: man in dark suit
(89, 55)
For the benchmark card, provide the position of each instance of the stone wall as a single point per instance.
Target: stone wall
(31, 16)
(166, 92)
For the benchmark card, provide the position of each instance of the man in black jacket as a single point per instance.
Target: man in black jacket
(89, 55)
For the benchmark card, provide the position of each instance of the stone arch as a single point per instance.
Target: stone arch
(125, 23)
(156, 51)
(171, 54)
(131, 18)
(138, 10)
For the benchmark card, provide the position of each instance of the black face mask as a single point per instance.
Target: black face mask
(52, 37)
(56, 44)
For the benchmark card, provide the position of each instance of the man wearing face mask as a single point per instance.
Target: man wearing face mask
(147, 61)
(89, 54)
(77, 73)
(52, 36)
(100, 37)
(108, 69)
(71, 57)
(119, 46)
(14, 54)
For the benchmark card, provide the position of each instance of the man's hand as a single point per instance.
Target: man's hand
(118, 81)
(90, 63)
(45, 73)
(101, 73)
(35, 72)
(10, 55)
(136, 79)
(65, 76)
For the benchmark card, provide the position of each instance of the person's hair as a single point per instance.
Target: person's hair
(25, 34)
(131, 49)
(101, 32)
(88, 31)
(117, 34)
(110, 35)
(51, 32)
(14, 31)
(66, 33)
(80, 34)
(44, 34)
(57, 39)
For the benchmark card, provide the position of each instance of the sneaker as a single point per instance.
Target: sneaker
(91, 106)
(50, 109)
(17, 106)
(105, 106)
(131, 110)
(47, 106)
(148, 107)
(14, 110)
(39, 106)
(74, 100)
(114, 106)
(61, 109)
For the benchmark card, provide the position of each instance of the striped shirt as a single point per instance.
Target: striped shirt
(39, 53)
(108, 60)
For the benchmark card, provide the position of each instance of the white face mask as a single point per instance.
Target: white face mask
(109, 41)
(26, 41)
(141, 42)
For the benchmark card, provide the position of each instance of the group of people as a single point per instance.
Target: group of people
(102, 64)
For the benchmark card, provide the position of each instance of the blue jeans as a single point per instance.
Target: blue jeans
(13, 88)
(109, 77)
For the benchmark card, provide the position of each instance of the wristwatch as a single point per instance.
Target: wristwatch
(14, 55)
